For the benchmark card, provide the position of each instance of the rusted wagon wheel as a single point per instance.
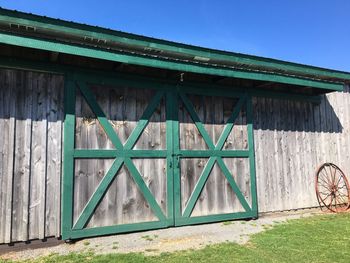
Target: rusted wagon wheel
(332, 188)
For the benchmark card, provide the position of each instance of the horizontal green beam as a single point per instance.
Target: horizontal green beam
(115, 78)
(158, 63)
(107, 230)
(214, 153)
(182, 221)
(142, 43)
(96, 154)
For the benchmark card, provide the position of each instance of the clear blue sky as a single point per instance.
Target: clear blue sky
(315, 32)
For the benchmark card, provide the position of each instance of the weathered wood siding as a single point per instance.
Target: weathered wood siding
(291, 140)
(31, 114)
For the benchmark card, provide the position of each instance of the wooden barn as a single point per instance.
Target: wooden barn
(107, 132)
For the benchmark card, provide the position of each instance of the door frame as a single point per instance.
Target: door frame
(214, 154)
(173, 217)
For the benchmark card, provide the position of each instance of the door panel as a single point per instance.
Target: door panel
(138, 159)
(120, 160)
(214, 171)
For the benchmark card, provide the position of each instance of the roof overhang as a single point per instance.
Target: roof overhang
(31, 31)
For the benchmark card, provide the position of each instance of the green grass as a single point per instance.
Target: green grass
(318, 239)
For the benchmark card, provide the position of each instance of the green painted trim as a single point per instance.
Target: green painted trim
(169, 104)
(233, 185)
(173, 152)
(251, 148)
(210, 164)
(114, 78)
(111, 154)
(99, 193)
(95, 153)
(211, 218)
(141, 42)
(176, 151)
(68, 160)
(96, 109)
(142, 123)
(116, 229)
(159, 63)
(214, 153)
(144, 189)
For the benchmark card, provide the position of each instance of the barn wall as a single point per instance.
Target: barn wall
(31, 114)
(291, 140)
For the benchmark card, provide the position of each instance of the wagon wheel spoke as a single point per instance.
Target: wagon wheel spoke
(344, 198)
(324, 199)
(339, 179)
(329, 206)
(341, 199)
(335, 178)
(344, 186)
(332, 172)
(325, 186)
(325, 174)
(332, 188)
(326, 194)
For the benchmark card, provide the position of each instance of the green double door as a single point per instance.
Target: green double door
(140, 155)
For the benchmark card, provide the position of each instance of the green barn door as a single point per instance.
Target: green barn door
(144, 158)
(214, 175)
(117, 160)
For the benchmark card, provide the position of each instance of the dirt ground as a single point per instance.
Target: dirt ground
(158, 241)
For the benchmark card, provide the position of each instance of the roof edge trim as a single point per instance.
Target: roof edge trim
(10, 16)
(157, 63)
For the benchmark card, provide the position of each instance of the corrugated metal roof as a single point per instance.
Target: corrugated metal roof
(40, 28)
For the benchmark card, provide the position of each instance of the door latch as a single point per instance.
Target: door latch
(177, 159)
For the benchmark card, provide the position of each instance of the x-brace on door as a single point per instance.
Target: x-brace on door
(139, 158)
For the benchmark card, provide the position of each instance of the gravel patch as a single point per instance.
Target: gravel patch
(166, 240)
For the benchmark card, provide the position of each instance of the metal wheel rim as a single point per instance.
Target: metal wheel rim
(332, 188)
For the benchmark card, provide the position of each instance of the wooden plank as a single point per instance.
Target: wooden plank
(8, 125)
(22, 157)
(3, 146)
(346, 126)
(131, 108)
(82, 134)
(283, 154)
(54, 155)
(257, 139)
(116, 199)
(218, 123)
(195, 167)
(311, 158)
(188, 174)
(38, 157)
(98, 139)
(259, 156)
(208, 193)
